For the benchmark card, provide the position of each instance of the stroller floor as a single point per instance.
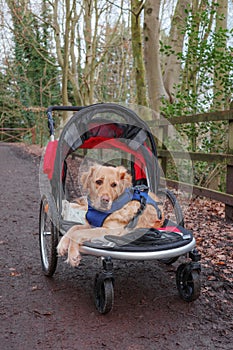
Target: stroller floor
(145, 240)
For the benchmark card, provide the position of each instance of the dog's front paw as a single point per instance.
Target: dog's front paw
(73, 260)
(63, 246)
(74, 255)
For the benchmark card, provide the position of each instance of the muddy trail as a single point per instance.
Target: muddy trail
(59, 313)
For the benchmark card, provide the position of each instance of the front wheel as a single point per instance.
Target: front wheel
(48, 238)
(188, 282)
(103, 294)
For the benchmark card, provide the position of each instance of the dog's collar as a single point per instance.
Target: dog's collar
(96, 217)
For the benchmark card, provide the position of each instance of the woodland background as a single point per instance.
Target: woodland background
(174, 56)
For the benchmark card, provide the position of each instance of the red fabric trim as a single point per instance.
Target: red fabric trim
(170, 229)
(49, 158)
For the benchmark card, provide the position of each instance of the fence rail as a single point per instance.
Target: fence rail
(195, 118)
(198, 156)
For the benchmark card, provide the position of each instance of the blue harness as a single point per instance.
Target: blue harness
(96, 217)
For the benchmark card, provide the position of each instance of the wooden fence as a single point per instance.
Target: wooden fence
(17, 134)
(226, 158)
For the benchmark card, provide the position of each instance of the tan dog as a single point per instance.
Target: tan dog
(104, 185)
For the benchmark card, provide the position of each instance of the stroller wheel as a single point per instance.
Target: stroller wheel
(188, 282)
(103, 294)
(48, 237)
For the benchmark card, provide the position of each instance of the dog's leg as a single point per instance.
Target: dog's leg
(77, 237)
(74, 256)
(63, 245)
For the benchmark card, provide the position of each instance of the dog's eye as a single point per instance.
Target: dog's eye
(99, 182)
(113, 184)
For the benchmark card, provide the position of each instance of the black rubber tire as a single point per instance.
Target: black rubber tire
(188, 282)
(104, 295)
(48, 238)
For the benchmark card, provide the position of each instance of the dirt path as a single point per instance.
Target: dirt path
(59, 313)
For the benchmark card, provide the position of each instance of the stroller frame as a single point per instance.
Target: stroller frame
(79, 130)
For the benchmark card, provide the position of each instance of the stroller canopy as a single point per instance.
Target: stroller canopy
(111, 126)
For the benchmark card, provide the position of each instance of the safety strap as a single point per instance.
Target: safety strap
(96, 217)
(141, 194)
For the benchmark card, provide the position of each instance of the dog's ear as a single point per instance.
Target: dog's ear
(124, 176)
(86, 177)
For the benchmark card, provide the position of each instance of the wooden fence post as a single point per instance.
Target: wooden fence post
(229, 177)
(33, 132)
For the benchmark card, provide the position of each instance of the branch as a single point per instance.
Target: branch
(129, 9)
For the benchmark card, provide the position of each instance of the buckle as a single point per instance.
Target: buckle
(141, 188)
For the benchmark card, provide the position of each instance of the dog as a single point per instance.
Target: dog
(106, 213)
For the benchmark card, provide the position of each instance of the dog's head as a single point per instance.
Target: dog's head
(105, 184)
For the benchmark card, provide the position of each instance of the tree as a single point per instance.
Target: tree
(156, 89)
(205, 80)
(222, 59)
(114, 75)
(85, 50)
(137, 51)
(34, 66)
(175, 43)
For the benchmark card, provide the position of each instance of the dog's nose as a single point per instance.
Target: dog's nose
(105, 200)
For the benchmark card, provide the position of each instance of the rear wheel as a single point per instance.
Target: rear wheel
(48, 237)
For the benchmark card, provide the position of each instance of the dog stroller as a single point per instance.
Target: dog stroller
(111, 134)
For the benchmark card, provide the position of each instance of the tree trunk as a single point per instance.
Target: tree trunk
(176, 41)
(88, 9)
(65, 100)
(74, 71)
(220, 101)
(156, 90)
(136, 7)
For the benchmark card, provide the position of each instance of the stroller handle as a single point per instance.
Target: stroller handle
(58, 108)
